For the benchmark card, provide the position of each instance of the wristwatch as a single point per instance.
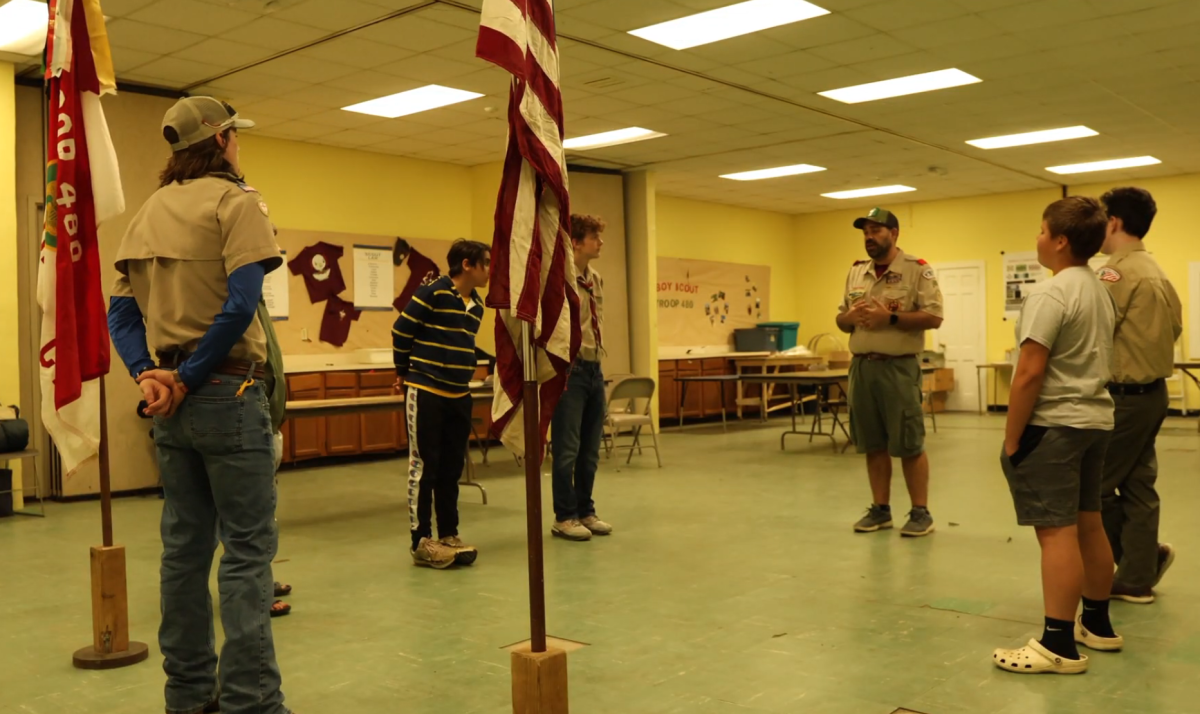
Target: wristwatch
(894, 319)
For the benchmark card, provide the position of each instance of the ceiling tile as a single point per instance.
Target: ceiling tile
(148, 38)
(122, 8)
(175, 72)
(406, 146)
(356, 52)
(192, 16)
(297, 130)
(216, 51)
(323, 95)
(428, 69)
(254, 81)
(354, 138)
(306, 69)
(326, 15)
(415, 33)
(273, 34)
(863, 49)
(125, 60)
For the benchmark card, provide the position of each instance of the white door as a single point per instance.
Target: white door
(963, 335)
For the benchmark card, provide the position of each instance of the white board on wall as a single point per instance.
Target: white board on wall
(1194, 310)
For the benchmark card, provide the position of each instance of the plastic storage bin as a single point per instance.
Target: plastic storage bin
(789, 333)
(756, 339)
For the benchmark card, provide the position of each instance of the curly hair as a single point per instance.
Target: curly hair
(583, 225)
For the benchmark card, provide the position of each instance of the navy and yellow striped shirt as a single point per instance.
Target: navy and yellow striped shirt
(433, 340)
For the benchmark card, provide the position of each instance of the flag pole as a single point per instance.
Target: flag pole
(533, 493)
(111, 647)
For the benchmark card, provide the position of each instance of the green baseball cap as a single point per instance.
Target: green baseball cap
(882, 216)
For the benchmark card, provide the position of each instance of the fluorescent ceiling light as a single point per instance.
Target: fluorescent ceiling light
(774, 173)
(730, 21)
(413, 101)
(1104, 165)
(611, 138)
(864, 192)
(1034, 137)
(23, 27)
(914, 84)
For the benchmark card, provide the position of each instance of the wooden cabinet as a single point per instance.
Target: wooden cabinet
(711, 391)
(380, 431)
(668, 397)
(693, 399)
(307, 436)
(342, 433)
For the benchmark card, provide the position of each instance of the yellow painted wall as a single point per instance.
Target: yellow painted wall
(10, 369)
(709, 231)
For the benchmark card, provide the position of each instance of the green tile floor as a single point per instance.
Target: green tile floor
(732, 585)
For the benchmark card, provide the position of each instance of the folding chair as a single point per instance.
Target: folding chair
(628, 416)
(608, 435)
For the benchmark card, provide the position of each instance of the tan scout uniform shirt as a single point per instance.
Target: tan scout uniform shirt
(177, 255)
(909, 285)
(589, 349)
(1149, 316)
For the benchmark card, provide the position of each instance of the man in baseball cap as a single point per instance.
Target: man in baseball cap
(194, 119)
(889, 302)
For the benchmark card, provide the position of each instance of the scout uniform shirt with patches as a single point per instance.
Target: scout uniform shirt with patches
(591, 315)
(177, 255)
(1149, 316)
(908, 285)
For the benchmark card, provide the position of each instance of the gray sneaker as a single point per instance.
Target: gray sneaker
(877, 519)
(920, 523)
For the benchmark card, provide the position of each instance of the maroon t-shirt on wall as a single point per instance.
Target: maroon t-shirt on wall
(319, 266)
(422, 271)
(335, 325)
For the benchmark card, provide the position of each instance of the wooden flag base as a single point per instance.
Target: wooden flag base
(110, 647)
(539, 681)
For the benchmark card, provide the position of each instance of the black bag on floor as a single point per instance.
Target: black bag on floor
(14, 431)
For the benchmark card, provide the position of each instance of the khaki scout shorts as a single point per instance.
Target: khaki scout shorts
(1055, 474)
(885, 406)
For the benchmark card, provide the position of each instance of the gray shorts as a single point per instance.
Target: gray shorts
(1055, 474)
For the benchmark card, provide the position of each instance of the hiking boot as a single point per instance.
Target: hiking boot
(1166, 558)
(429, 553)
(210, 708)
(1137, 596)
(920, 523)
(877, 519)
(571, 529)
(463, 553)
(596, 526)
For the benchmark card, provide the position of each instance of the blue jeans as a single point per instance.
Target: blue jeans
(576, 430)
(217, 461)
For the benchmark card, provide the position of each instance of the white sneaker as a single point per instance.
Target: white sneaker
(570, 529)
(596, 526)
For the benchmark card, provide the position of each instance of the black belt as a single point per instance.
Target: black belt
(1121, 389)
(880, 357)
(235, 367)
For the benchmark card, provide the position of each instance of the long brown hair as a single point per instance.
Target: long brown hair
(202, 159)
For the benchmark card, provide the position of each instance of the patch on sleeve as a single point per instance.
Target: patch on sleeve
(1108, 275)
(247, 187)
(856, 294)
(262, 206)
(928, 274)
(921, 261)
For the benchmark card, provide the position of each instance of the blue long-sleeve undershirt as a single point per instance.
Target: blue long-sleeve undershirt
(125, 324)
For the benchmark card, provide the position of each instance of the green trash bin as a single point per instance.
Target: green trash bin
(789, 333)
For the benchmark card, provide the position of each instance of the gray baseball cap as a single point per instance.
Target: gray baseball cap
(882, 216)
(194, 119)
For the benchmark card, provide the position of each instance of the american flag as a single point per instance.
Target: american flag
(83, 190)
(532, 275)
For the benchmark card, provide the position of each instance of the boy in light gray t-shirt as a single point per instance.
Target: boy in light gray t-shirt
(1059, 418)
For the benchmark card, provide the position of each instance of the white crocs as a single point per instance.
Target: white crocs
(1092, 641)
(1033, 658)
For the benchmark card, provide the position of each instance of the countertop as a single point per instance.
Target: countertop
(295, 364)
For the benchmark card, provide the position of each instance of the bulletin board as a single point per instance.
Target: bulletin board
(701, 302)
(373, 329)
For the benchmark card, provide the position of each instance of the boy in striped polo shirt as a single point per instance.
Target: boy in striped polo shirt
(434, 350)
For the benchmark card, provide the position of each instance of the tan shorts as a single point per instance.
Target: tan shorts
(885, 406)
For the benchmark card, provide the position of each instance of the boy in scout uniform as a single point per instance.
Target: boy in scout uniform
(190, 276)
(890, 301)
(1149, 320)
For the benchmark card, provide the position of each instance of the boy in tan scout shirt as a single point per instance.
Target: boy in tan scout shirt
(889, 302)
(1149, 320)
(1059, 419)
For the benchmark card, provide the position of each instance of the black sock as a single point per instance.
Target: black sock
(1059, 638)
(884, 507)
(1095, 618)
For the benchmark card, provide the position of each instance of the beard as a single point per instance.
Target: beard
(878, 250)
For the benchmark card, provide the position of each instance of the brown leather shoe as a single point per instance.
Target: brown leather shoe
(1137, 596)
